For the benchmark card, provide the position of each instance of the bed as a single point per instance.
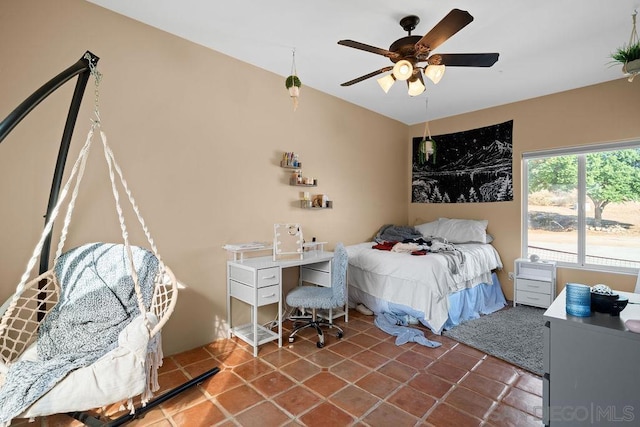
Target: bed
(442, 288)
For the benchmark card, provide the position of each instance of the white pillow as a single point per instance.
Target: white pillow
(462, 230)
(428, 229)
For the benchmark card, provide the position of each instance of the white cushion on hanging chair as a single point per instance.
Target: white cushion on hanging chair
(118, 375)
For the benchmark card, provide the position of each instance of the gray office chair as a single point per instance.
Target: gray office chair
(321, 298)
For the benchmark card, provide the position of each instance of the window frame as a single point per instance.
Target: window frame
(580, 152)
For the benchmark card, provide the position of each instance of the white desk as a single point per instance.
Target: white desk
(258, 282)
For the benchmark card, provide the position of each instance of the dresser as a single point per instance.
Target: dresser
(534, 283)
(592, 367)
(258, 282)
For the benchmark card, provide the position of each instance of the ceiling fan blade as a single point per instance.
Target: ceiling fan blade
(367, 76)
(368, 48)
(464, 59)
(449, 25)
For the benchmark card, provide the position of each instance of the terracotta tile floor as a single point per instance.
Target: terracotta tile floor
(363, 379)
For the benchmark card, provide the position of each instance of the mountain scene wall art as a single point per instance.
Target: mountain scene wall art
(472, 166)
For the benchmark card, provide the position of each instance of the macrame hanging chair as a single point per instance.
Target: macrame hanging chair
(124, 290)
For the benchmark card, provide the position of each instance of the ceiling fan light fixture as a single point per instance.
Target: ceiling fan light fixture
(402, 70)
(386, 82)
(434, 73)
(416, 85)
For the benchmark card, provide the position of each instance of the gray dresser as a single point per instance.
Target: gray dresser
(592, 367)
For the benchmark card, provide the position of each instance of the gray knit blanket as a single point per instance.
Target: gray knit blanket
(396, 233)
(97, 301)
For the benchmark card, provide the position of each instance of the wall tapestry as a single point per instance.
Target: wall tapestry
(466, 167)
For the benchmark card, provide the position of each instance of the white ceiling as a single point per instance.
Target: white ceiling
(545, 46)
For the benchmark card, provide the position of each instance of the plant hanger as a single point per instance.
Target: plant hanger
(293, 83)
(629, 55)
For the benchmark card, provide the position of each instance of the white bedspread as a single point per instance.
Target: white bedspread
(421, 282)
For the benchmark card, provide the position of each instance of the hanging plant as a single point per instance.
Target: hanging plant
(629, 55)
(427, 146)
(426, 150)
(626, 54)
(293, 83)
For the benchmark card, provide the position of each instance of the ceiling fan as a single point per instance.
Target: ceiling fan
(407, 53)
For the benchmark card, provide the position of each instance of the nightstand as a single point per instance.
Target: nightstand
(534, 283)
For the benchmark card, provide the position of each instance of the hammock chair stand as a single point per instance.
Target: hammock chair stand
(83, 68)
(91, 421)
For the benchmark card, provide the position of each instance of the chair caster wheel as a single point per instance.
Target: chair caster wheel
(339, 334)
(320, 344)
(291, 339)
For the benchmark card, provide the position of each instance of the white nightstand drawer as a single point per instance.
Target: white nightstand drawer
(534, 286)
(268, 277)
(533, 298)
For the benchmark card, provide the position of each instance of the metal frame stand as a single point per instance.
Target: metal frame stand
(92, 421)
(82, 70)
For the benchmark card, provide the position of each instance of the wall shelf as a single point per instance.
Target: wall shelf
(307, 204)
(290, 161)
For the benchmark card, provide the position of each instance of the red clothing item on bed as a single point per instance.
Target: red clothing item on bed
(384, 246)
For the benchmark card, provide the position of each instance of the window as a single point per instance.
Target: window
(581, 206)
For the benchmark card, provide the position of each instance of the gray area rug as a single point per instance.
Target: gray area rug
(513, 334)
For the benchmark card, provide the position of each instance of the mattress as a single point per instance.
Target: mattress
(422, 283)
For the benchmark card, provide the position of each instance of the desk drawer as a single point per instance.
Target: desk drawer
(541, 287)
(266, 295)
(316, 277)
(242, 292)
(268, 277)
(321, 266)
(241, 275)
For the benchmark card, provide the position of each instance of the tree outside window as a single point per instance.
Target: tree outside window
(610, 182)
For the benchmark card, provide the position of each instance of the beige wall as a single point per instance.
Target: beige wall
(200, 151)
(602, 113)
(201, 156)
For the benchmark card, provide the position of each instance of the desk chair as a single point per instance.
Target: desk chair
(321, 298)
